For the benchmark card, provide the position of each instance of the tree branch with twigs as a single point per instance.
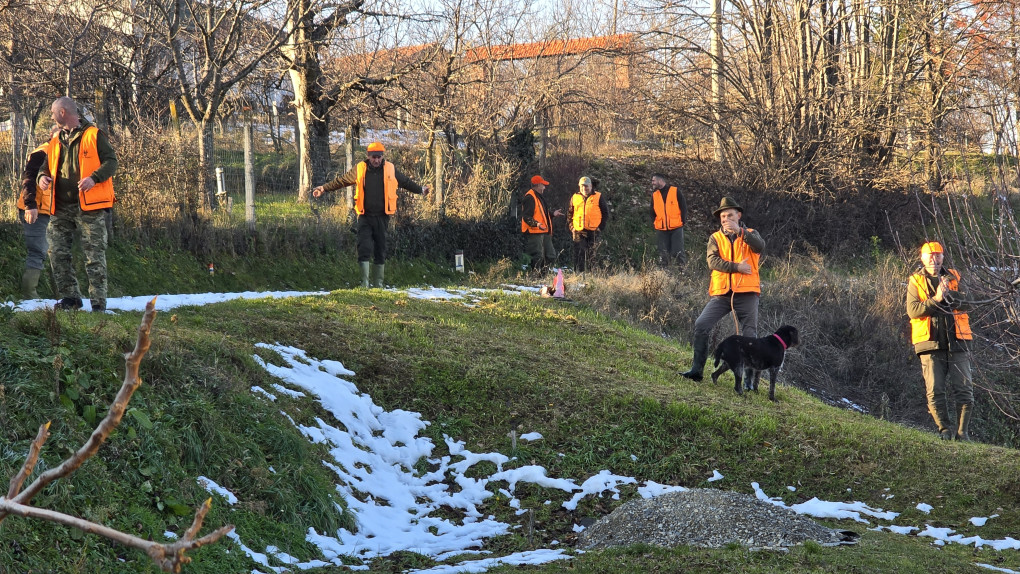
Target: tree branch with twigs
(169, 557)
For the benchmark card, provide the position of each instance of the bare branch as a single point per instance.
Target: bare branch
(169, 557)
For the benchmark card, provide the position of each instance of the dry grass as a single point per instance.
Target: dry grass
(853, 326)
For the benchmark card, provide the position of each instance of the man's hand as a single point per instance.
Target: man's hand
(731, 226)
(744, 268)
(940, 292)
(426, 189)
(318, 191)
(31, 215)
(558, 213)
(541, 227)
(44, 182)
(86, 184)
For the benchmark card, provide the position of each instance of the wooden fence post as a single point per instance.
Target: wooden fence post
(249, 172)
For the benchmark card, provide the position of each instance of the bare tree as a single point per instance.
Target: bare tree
(214, 46)
(169, 557)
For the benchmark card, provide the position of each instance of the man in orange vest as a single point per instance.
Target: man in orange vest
(80, 166)
(941, 335)
(32, 201)
(587, 215)
(536, 225)
(669, 209)
(735, 286)
(375, 199)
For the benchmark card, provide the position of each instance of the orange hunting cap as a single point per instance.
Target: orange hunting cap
(538, 179)
(931, 247)
(376, 146)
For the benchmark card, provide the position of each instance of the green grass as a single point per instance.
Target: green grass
(599, 392)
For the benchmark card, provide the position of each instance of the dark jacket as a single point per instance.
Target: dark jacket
(943, 322)
(375, 198)
(28, 186)
(66, 180)
(528, 210)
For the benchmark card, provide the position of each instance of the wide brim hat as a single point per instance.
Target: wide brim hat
(727, 203)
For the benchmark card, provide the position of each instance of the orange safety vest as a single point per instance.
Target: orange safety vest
(735, 251)
(667, 213)
(389, 188)
(920, 328)
(101, 195)
(540, 216)
(587, 214)
(43, 197)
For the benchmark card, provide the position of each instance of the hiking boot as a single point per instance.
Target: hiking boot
(99, 307)
(68, 304)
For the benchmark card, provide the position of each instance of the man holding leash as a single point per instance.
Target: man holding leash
(941, 335)
(375, 200)
(733, 254)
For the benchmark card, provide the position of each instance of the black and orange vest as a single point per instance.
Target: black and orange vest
(101, 195)
(389, 188)
(43, 197)
(920, 328)
(667, 211)
(736, 251)
(540, 216)
(587, 214)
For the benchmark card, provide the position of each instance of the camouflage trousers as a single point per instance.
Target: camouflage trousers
(91, 225)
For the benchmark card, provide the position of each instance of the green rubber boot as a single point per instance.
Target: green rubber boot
(30, 283)
(379, 272)
(364, 274)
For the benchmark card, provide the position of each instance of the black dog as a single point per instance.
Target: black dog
(747, 357)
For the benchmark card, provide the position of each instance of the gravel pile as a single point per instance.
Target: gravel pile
(708, 518)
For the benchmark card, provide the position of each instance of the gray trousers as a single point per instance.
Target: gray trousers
(68, 220)
(746, 306)
(35, 241)
(671, 246)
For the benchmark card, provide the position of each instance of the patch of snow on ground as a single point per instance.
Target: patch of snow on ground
(166, 302)
(981, 520)
(213, 488)
(531, 436)
(716, 476)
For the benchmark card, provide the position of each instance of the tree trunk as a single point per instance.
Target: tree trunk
(311, 106)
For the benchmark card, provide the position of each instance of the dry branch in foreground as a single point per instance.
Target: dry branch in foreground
(169, 557)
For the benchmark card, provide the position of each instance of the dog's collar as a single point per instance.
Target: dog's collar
(781, 341)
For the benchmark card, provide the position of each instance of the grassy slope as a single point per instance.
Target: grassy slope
(597, 390)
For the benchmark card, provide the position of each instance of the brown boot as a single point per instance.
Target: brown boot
(963, 413)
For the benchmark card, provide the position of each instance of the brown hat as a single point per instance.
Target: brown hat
(727, 203)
